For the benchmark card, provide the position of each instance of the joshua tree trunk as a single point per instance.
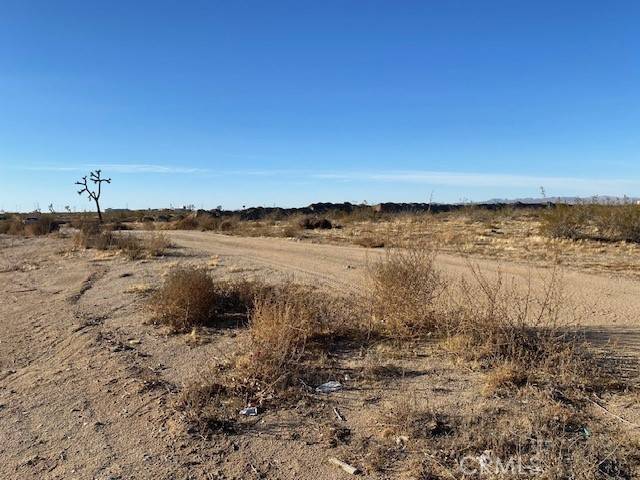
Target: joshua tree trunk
(99, 212)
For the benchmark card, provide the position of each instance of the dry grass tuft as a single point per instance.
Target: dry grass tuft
(503, 379)
(157, 244)
(282, 323)
(412, 418)
(90, 235)
(187, 298)
(404, 293)
(133, 247)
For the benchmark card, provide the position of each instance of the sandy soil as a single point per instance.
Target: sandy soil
(86, 387)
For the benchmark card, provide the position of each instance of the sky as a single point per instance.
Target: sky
(287, 103)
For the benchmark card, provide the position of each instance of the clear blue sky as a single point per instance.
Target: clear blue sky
(269, 102)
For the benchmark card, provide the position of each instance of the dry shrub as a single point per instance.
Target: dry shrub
(98, 240)
(92, 237)
(496, 323)
(282, 323)
(291, 230)
(369, 241)
(291, 330)
(238, 296)
(412, 417)
(404, 291)
(621, 222)
(206, 223)
(187, 223)
(209, 408)
(155, 245)
(12, 226)
(89, 235)
(43, 225)
(615, 222)
(486, 320)
(131, 246)
(564, 221)
(229, 224)
(503, 379)
(187, 298)
(314, 223)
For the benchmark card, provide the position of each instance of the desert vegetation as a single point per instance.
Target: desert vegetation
(91, 235)
(538, 373)
(599, 237)
(613, 223)
(585, 236)
(30, 226)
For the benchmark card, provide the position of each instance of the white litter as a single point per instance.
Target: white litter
(329, 387)
(250, 411)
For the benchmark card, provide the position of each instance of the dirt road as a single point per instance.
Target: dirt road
(607, 300)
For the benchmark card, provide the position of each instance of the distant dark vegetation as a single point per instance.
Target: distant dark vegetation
(583, 221)
(593, 222)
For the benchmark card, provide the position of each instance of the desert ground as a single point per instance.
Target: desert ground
(89, 385)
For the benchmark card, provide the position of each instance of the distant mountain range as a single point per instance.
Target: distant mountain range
(603, 199)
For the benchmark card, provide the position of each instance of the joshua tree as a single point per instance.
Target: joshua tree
(93, 195)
